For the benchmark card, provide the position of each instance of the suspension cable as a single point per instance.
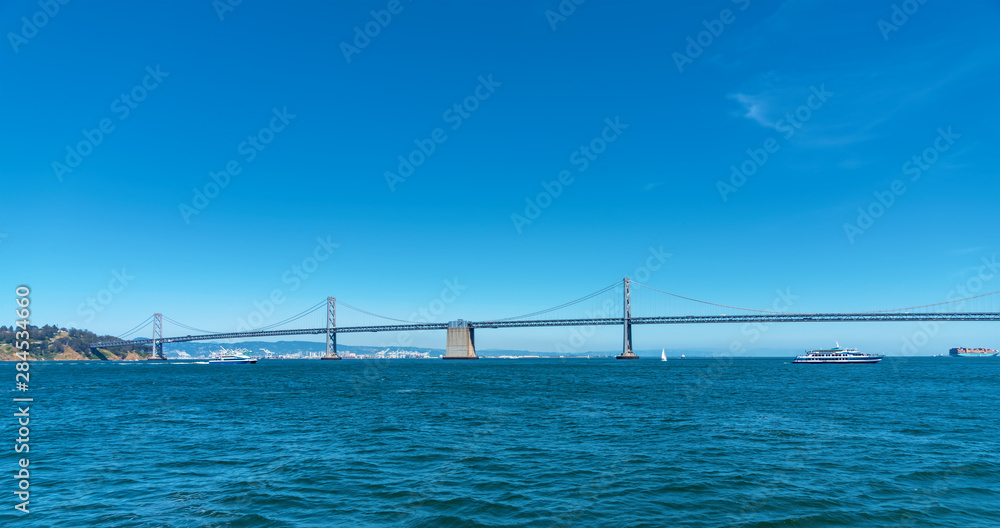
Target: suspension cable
(935, 304)
(130, 334)
(296, 317)
(564, 305)
(182, 325)
(355, 308)
(711, 303)
(267, 327)
(135, 328)
(797, 313)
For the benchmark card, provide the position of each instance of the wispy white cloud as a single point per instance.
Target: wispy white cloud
(853, 163)
(865, 99)
(874, 87)
(966, 251)
(755, 108)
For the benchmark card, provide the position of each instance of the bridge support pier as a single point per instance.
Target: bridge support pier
(627, 338)
(331, 329)
(461, 341)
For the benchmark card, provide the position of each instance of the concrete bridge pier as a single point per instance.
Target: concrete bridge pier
(461, 341)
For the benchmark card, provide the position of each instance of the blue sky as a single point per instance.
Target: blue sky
(839, 102)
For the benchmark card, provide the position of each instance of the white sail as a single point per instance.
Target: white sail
(663, 354)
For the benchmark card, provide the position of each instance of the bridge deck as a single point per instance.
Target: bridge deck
(682, 319)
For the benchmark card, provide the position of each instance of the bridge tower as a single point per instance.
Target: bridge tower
(627, 319)
(461, 341)
(331, 329)
(157, 338)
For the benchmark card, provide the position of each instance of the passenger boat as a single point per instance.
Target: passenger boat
(232, 356)
(838, 355)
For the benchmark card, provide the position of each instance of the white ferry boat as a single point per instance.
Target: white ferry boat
(838, 355)
(232, 356)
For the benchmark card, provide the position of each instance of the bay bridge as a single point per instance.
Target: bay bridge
(611, 305)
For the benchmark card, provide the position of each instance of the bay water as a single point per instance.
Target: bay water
(711, 442)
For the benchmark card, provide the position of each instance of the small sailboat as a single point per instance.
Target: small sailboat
(663, 355)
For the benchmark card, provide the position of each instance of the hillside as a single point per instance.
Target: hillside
(61, 344)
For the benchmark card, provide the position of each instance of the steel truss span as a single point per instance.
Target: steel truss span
(683, 319)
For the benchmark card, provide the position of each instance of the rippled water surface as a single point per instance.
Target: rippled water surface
(547, 443)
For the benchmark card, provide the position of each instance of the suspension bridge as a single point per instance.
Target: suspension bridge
(611, 305)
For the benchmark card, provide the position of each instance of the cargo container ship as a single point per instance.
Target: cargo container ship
(972, 352)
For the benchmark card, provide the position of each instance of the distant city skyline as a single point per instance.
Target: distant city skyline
(233, 165)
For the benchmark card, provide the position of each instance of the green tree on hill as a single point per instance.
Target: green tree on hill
(49, 341)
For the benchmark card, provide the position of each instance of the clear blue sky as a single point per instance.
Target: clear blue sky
(880, 94)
